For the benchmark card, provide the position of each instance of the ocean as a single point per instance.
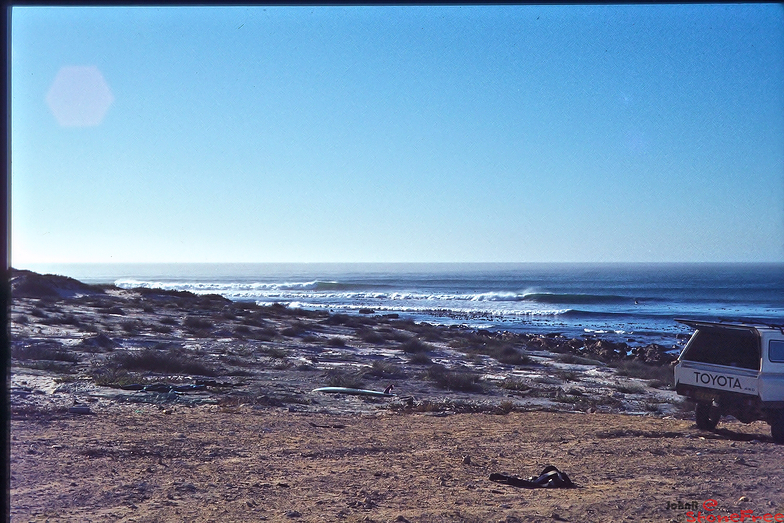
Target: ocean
(635, 303)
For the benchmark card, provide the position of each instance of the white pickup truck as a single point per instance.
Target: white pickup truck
(734, 368)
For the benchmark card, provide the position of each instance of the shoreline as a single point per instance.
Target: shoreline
(97, 339)
(632, 303)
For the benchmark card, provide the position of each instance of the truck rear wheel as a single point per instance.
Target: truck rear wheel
(777, 426)
(707, 416)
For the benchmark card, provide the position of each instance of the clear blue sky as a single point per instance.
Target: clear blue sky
(423, 134)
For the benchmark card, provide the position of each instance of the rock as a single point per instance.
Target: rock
(652, 354)
(607, 350)
(29, 284)
(101, 340)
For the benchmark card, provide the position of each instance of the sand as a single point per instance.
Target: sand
(254, 443)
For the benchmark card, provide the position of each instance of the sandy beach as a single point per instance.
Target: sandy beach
(150, 405)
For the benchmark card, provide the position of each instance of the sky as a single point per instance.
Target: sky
(639, 133)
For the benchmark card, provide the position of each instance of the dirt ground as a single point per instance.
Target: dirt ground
(146, 463)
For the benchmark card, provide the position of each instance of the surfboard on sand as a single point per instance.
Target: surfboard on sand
(357, 392)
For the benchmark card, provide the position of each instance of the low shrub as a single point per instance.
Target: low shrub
(511, 356)
(348, 321)
(237, 361)
(70, 319)
(419, 358)
(196, 323)
(568, 357)
(474, 359)
(460, 381)
(99, 343)
(343, 378)
(630, 388)
(660, 384)
(428, 331)
(253, 321)
(385, 369)
(278, 310)
(635, 369)
(108, 376)
(568, 375)
(547, 380)
(501, 350)
(276, 352)
(297, 328)
(212, 301)
(267, 334)
(415, 346)
(514, 384)
(175, 361)
(574, 399)
(505, 407)
(162, 329)
(43, 352)
(399, 336)
(131, 326)
(52, 366)
(371, 336)
(336, 341)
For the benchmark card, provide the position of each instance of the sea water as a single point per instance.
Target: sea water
(636, 303)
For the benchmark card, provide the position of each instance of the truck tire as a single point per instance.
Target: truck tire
(707, 416)
(777, 426)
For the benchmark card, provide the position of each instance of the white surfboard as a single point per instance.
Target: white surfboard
(356, 392)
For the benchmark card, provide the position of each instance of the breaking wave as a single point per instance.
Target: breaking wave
(220, 287)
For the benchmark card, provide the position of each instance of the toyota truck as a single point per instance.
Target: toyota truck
(734, 368)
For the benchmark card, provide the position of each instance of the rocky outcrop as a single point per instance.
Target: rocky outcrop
(28, 284)
(653, 354)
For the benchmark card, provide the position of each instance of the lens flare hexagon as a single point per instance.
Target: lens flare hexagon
(79, 96)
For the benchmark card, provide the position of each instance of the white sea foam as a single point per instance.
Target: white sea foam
(422, 309)
(216, 287)
(613, 300)
(604, 331)
(494, 296)
(311, 295)
(313, 289)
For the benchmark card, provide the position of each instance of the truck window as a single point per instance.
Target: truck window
(776, 351)
(728, 347)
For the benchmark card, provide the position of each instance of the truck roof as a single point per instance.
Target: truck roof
(744, 324)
